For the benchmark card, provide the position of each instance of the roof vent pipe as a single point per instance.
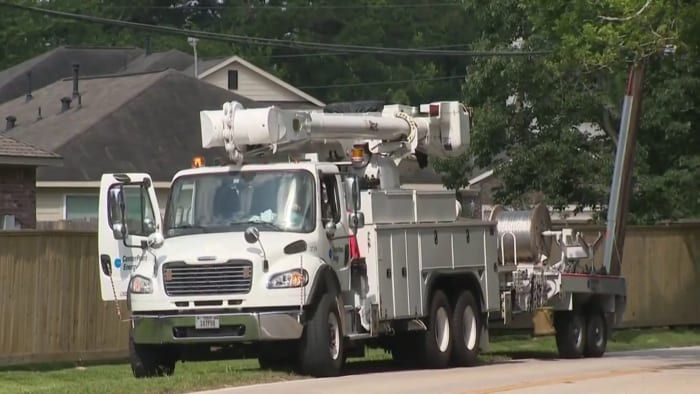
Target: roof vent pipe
(65, 104)
(39, 117)
(76, 68)
(10, 122)
(29, 96)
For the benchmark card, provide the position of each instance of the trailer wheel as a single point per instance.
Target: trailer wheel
(467, 330)
(436, 343)
(596, 335)
(571, 334)
(321, 352)
(151, 360)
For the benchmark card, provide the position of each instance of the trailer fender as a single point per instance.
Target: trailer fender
(451, 282)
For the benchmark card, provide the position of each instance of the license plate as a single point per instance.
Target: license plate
(206, 322)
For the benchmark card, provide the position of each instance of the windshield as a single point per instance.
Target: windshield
(272, 200)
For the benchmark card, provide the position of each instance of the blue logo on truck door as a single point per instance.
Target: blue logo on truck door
(117, 262)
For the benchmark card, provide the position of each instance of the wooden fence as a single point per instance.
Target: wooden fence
(50, 306)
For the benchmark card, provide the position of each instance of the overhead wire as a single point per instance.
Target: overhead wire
(290, 6)
(272, 42)
(372, 83)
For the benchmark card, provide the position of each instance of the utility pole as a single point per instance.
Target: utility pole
(621, 188)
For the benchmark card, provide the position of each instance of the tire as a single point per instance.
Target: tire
(278, 356)
(466, 329)
(571, 334)
(321, 348)
(436, 343)
(151, 360)
(596, 334)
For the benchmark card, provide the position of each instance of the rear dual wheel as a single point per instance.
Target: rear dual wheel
(580, 335)
(452, 336)
(436, 343)
(467, 330)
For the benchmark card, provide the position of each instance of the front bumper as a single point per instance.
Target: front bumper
(233, 327)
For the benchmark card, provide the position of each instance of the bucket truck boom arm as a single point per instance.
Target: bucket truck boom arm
(439, 128)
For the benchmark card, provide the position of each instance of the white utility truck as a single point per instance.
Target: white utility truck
(304, 249)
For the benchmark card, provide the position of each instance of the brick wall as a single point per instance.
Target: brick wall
(18, 194)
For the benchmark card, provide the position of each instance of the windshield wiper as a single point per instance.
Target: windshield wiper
(189, 227)
(259, 222)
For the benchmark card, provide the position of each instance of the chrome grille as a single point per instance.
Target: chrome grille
(232, 277)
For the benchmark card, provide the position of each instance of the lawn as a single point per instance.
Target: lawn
(116, 378)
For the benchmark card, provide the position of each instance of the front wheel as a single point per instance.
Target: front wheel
(466, 330)
(321, 352)
(151, 360)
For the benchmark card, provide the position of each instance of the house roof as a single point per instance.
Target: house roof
(203, 65)
(160, 61)
(481, 177)
(13, 152)
(264, 74)
(58, 63)
(127, 123)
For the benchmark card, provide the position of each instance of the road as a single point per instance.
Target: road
(649, 371)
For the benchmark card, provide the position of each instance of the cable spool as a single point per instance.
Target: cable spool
(527, 227)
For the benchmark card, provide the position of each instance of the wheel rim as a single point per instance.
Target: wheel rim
(578, 332)
(442, 329)
(469, 324)
(334, 336)
(598, 335)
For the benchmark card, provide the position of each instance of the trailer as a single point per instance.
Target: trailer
(303, 249)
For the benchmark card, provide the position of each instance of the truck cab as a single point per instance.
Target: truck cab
(238, 256)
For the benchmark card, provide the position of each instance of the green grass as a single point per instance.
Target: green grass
(190, 376)
(523, 345)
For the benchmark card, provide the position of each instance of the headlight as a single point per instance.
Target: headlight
(140, 285)
(292, 278)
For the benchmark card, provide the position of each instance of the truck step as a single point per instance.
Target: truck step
(357, 337)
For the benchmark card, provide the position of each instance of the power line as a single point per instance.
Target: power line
(347, 85)
(293, 55)
(284, 7)
(272, 42)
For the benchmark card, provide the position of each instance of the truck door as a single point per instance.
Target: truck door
(334, 215)
(128, 214)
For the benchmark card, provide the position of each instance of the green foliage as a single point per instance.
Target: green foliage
(527, 110)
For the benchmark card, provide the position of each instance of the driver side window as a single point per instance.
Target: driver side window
(138, 210)
(330, 202)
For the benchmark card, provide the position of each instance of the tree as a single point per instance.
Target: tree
(532, 109)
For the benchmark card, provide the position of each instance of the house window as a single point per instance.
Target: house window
(232, 79)
(81, 207)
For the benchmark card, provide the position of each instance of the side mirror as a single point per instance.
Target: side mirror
(356, 220)
(330, 228)
(251, 235)
(155, 240)
(356, 194)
